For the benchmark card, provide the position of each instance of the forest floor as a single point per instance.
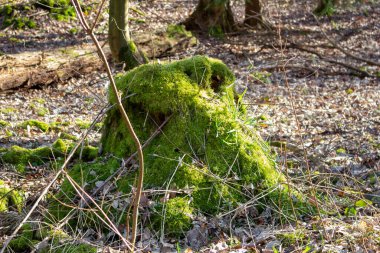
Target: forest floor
(306, 90)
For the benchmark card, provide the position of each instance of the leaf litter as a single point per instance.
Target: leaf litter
(321, 118)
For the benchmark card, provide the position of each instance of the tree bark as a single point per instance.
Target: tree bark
(212, 16)
(252, 13)
(122, 46)
(326, 7)
(30, 69)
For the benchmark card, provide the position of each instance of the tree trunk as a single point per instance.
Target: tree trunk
(122, 47)
(252, 13)
(326, 7)
(213, 16)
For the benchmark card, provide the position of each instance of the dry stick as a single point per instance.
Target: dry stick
(124, 115)
(85, 196)
(98, 15)
(119, 171)
(332, 42)
(362, 72)
(299, 130)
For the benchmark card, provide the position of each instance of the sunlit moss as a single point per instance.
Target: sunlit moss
(176, 214)
(9, 197)
(8, 110)
(178, 31)
(83, 124)
(22, 157)
(204, 146)
(3, 124)
(35, 123)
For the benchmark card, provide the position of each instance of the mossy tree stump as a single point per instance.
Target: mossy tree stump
(205, 149)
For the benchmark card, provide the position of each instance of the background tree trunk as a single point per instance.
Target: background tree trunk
(213, 16)
(252, 12)
(326, 7)
(122, 47)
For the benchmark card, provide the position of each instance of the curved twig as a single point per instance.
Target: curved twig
(90, 32)
(344, 51)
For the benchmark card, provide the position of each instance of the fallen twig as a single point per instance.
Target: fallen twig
(348, 66)
(332, 42)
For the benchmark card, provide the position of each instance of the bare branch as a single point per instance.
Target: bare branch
(123, 114)
(332, 42)
(98, 15)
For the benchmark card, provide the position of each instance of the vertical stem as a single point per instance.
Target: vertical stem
(122, 46)
(125, 118)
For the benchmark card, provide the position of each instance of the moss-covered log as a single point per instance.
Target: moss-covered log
(204, 148)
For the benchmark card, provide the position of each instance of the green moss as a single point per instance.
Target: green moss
(130, 55)
(340, 151)
(204, 146)
(67, 136)
(71, 248)
(7, 10)
(8, 110)
(292, 238)
(62, 10)
(40, 100)
(83, 124)
(88, 153)
(19, 22)
(73, 31)
(176, 213)
(8, 133)
(31, 24)
(325, 8)
(26, 7)
(3, 124)
(24, 242)
(174, 31)
(35, 123)
(217, 32)
(86, 175)
(58, 125)
(9, 197)
(21, 157)
(98, 126)
(7, 22)
(41, 111)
